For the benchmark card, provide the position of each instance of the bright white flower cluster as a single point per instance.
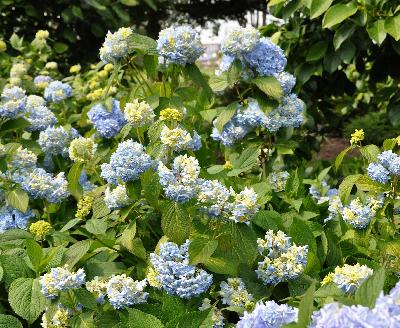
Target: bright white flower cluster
(348, 277)
(359, 215)
(282, 261)
(123, 291)
(60, 279)
(117, 197)
(82, 150)
(116, 45)
(234, 292)
(178, 139)
(139, 113)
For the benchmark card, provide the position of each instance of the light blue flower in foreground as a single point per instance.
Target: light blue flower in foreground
(116, 45)
(40, 184)
(251, 116)
(117, 197)
(266, 58)
(40, 118)
(108, 123)
(178, 139)
(349, 277)
(244, 206)
(180, 183)
(13, 102)
(359, 215)
(234, 292)
(56, 140)
(127, 163)
(387, 307)
(386, 158)
(57, 91)
(11, 218)
(282, 261)
(60, 279)
(334, 315)
(268, 315)
(231, 133)
(123, 291)
(22, 160)
(239, 41)
(378, 173)
(180, 45)
(175, 274)
(98, 287)
(213, 196)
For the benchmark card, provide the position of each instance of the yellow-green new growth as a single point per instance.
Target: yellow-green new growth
(82, 150)
(357, 136)
(84, 206)
(40, 229)
(171, 114)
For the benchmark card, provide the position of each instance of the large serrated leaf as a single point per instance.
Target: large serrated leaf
(270, 86)
(370, 289)
(8, 321)
(175, 222)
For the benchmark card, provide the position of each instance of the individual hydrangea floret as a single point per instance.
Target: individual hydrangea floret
(116, 45)
(117, 197)
(57, 91)
(139, 113)
(98, 287)
(178, 139)
(42, 81)
(266, 58)
(234, 292)
(108, 123)
(11, 218)
(268, 315)
(180, 45)
(82, 150)
(127, 163)
(123, 291)
(181, 182)
(13, 102)
(175, 274)
(278, 180)
(56, 140)
(40, 184)
(60, 279)
(348, 277)
(282, 261)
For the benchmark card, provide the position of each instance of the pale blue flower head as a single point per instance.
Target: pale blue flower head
(240, 40)
(268, 315)
(40, 118)
(180, 45)
(107, 123)
(116, 198)
(127, 163)
(57, 91)
(386, 158)
(56, 140)
(123, 291)
(231, 133)
(42, 81)
(116, 45)
(174, 273)
(287, 81)
(266, 58)
(13, 102)
(251, 116)
(11, 218)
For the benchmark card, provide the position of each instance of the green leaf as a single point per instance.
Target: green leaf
(225, 116)
(8, 321)
(198, 319)
(143, 44)
(14, 267)
(392, 27)
(194, 73)
(16, 42)
(127, 236)
(96, 4)
(60, 47)
(26, 298)
(346, 186)
(318, 7)
(35, 253)
(11, 125)
(376, 31)
(389, 144)
(302, 235)
(175, 222)
(76, 252)
(268, 220)
(234, 72)
(338, 13)
(218, 83)
(100, 209)
(340, 157)
(74, 186)
(306, 307)
(247, 160)
(18, 199)
(96, 226)
(86, 298)
(139, 319)
(343, 33)
(129, 2)
(83, 320)
(270, 86)
(370, 289)
(200, 250)
(370, 152)
(317, 51)
(150, 64)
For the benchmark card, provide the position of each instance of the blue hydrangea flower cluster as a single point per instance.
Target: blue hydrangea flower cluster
(60, 279)
(287, 81)
(11, 218)
(359, 215)
(175, 274)
(22, 162)
(180, 45)
(107, 123)
(388, 163)
(259, 56)
(57, 91)
(116, 198)
(231, 133)
(178, 139)
(38, 115)
(56, 140)
(278, 179)
(85, 183)
(42, 81)
(127, 163)
(387, 307)
(123, 291)
(269, 315)
(282, 261)
(234, 292)
(181, 182)
(244, 206)
(40, 184)
(13, 102)
(116, 45)
(98, 287)
(323, 193)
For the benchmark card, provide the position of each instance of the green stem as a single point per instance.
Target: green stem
(110, 81)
